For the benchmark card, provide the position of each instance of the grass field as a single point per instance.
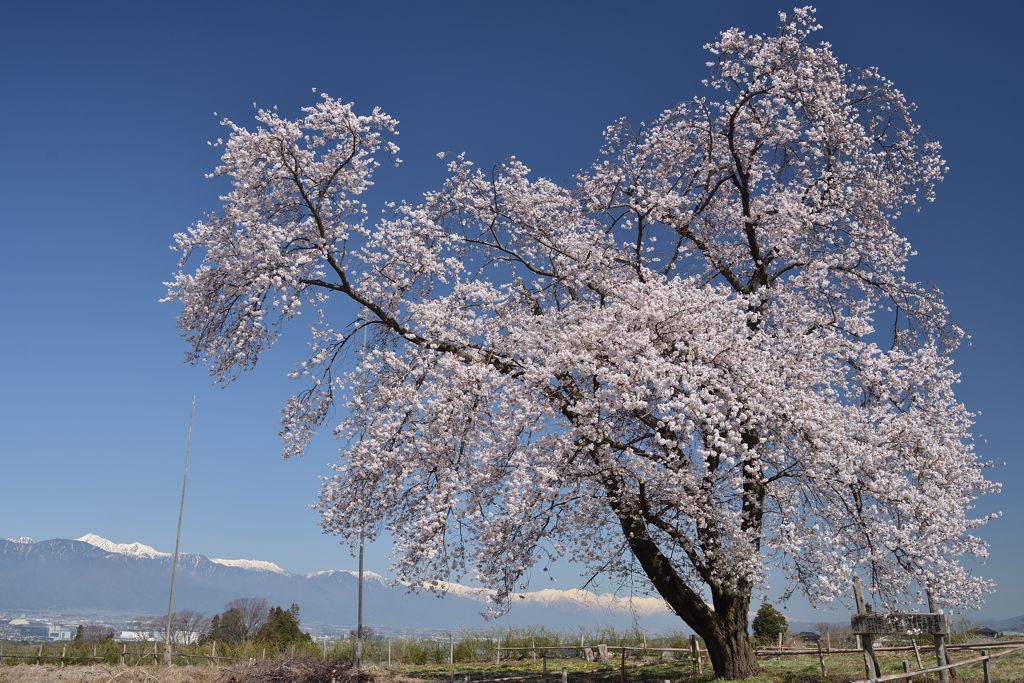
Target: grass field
(791, 669)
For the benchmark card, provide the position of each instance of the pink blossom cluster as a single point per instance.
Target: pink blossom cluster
(669, 364)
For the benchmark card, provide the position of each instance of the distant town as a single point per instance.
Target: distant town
(38, 628)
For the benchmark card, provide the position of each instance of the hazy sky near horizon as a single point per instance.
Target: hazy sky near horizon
(107, 111)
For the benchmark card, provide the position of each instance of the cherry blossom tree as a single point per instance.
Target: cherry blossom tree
(666, 371)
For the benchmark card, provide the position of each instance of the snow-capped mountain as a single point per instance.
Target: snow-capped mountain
(140, 550)
(23, 539)
(94, 573)
(580, 599)
(130, 549)
(252, 565)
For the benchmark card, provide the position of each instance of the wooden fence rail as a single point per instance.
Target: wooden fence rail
(775, 652)
(78, 658)
(634, 648)
(693, 657)
(121, 657)
(910, 674)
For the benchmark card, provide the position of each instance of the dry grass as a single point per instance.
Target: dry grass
(791, 669)
(105, 673)
(303, 670)
(308, 669)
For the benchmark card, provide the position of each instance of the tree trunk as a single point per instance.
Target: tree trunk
(727, 641)
(732, 657)
(723, 628)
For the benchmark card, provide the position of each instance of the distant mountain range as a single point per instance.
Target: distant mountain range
(93, 574)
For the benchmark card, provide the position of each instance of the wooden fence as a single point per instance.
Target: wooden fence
(907, 673)
(122, 657)
(694, 656)
(775, 652)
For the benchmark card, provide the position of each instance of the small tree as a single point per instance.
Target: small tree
(240, 621)
(830, 633)
(368, 633)
(252, 613)
(188, 626)
(213, 631)
(769, 624)
(141, 628)
(95, 633)
(281, 628)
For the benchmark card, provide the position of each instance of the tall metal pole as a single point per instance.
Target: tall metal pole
(357, 650)
(177, 540)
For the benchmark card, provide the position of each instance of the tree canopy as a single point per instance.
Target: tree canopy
(769, 623)
(282, 628)
(241, 620)
(666, 370)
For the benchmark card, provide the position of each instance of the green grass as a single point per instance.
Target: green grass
(792, 669)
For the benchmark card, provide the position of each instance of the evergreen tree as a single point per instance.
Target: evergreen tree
(214, 631)
(282, 628)
(769, 623)
(231, 627)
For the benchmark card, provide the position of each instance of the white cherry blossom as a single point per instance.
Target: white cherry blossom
(668, 372)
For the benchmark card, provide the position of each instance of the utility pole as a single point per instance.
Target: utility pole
(357, 649)
(174, 567)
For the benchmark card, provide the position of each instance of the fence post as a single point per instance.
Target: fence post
(389, 651)
(565, 675)
(984, 667)
(533, 647)
(40, 654)
(544, 668)
(940, 648)
(917, 652)
(124, 649)
(693, 653)
(213, 653)
(870, 661)
(451, 653)
(700, 659)
(623, 664)
(821, 659)
(497, 656)
(1, 653)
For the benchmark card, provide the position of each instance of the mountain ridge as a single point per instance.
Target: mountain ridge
(95, 573)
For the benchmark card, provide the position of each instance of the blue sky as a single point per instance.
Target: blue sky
(107, 108)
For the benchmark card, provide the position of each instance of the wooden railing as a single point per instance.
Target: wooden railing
(775, 652)
(984, 659)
